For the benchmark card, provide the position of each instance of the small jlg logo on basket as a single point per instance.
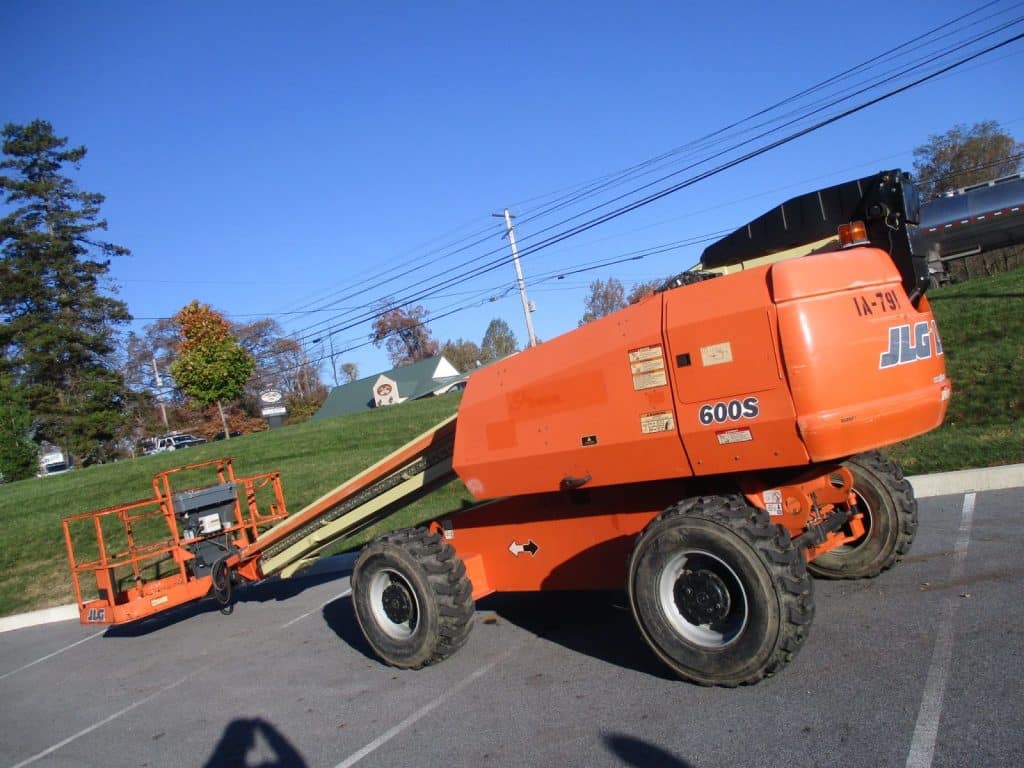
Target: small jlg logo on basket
(908, 345)
(97, 614)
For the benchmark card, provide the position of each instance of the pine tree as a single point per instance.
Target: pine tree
(57, 327)
(18, 454)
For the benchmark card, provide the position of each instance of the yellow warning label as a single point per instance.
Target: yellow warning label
(662, 421)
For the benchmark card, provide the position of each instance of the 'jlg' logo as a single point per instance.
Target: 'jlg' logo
(96, 614)
(908, 345)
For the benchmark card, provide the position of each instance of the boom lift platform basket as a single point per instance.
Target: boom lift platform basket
(153, 554)
(211, 537)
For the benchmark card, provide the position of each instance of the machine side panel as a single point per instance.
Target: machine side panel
(866, 368)
(734, 406)
(556, 541)
(589, 408)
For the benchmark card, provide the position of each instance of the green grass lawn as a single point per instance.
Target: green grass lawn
(981, 323)
(313, 458)
(982, 328)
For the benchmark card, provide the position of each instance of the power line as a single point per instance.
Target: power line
(353, 316)
(423, 293)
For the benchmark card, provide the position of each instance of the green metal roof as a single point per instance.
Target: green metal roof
(414, 381)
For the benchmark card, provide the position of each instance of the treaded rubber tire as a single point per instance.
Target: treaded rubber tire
(431, 577)
(891, 512)
(778, 593)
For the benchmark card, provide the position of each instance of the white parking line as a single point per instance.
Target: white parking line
(140, 702)
(922, 746)
(419, 714)
(101, 723)
(323, 605)
(5, 675)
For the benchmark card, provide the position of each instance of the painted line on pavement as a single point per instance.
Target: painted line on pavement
(926, 730)
(5, 675)
(322, 605)
(86, 731)
(420, 713)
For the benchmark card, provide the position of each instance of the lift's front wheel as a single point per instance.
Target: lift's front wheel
(719, 592)
(888, 509)
(412, 598)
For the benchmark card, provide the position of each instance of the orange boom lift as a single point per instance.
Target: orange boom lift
(708, 449)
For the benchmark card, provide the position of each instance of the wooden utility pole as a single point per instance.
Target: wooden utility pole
(527, 306)
(159, 394)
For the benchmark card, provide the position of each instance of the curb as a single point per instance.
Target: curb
(925, 486)
(42, 616)
(967, 480)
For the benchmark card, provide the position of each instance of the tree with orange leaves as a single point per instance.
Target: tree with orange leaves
(211, 366)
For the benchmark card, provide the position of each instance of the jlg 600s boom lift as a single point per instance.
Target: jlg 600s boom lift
(706, 449)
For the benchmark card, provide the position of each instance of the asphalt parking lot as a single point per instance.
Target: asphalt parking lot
(919, 667)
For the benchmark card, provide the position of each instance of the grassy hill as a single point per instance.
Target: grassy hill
(981, 323)
(313, 458)
(982, 327)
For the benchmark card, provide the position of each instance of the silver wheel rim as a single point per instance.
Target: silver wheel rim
(380, 582)
(719, 634)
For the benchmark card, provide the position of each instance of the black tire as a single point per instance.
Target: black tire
(221, 586)
(886, 500)
(412, 598)
(719, 592)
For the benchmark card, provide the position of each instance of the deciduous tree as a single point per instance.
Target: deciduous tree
(57, 326)
(464, 355)
(498, 341)
(963, 156)
(350, 371)
(211, 365)
(403, 332)
(643, 289)
(606, 296)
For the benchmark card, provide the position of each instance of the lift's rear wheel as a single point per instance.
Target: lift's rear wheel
(221, 586)
(889, 514)
(719, 592)
(412, 597)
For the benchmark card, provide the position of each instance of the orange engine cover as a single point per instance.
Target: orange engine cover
(866, 368)
(593, 403)
(778, 366)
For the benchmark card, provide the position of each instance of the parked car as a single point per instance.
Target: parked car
(232, 433)
(175, 442)
(53, 463)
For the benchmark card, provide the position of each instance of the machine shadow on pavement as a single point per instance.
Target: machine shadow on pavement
(340, 616)
(596, 624)
(272, 589)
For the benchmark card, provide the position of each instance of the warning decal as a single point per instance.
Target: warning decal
(716, 354)
(662, 421)
(647, 365)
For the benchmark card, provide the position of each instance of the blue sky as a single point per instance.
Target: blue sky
(273, 160)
